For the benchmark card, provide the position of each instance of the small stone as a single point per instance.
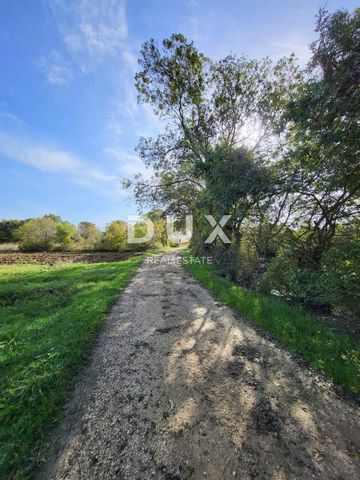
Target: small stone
(234, 474)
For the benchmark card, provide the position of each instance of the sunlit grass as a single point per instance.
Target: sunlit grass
(48, 318)
(328, 351)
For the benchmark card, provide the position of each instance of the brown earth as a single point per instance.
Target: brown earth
(179, 387)
(51, 258)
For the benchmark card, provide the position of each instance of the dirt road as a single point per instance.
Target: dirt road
(181, 388)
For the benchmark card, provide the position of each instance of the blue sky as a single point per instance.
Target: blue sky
(69, 121)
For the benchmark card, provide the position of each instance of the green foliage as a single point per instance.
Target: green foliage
(140, 230)
(89, 234)
(171, 74)
(283, 276)
(275, 147)
(160, 227)
(340, 280)
(51, 233)
(326, 350)
(8, 230)
(206, 106)
(47, 233)
(323, 163)
(234, 179)
(38, 234)
(335, 285)
(66, 235)
(87, 229)
(53, 217)
(115, 236)
(326, 111)
(48, 317)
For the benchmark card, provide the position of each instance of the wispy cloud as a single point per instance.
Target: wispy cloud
(10, 116)
(96, 29)
(124, 114)
(130, 59)
(89, 31)
(285, 47)
(192, 3)
(193, 28)
(56, 69)
(128, 164)
(92, 32)
(47, 158)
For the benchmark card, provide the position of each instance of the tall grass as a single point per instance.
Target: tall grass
(48, 318)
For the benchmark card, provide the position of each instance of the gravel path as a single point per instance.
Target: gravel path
(179, 387)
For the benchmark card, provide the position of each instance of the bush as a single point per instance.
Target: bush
(341, 276)
(66, 235)
(160, 238)
(336, 285)
(38, 234)
(140, 230)
(115, 236)
(8, 230)
(90, 236)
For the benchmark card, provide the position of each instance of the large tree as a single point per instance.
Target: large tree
(323, 163)
(206, 107)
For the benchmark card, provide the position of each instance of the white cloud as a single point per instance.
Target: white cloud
(90, 31)
(125, 118)
(285, 47)
(98, 29)
(192, 3)
(93, 34)
(124, 114)
(128, 163)
(56, 69)
(55, 160)
(130, 59)
(10, 116)
(192, 28)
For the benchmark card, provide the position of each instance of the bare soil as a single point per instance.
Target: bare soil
(51, 258)
(179, 387)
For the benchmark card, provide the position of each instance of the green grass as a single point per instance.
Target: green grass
(328, 351)
(48, 318)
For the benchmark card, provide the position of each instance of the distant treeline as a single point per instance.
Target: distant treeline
(50, 232)
(8, 229)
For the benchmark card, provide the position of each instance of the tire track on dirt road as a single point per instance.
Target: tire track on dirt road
(179, 387)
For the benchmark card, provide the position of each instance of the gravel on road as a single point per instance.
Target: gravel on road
(180, 387)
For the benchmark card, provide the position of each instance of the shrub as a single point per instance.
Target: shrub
(158, 218)
(341, 276)
(335, 285)
(66, 235)
(38, 234)
(8, 230)
(115, 236)
(90, 235)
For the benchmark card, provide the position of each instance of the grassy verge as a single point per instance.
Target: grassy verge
(48, 317)
(326, 350)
